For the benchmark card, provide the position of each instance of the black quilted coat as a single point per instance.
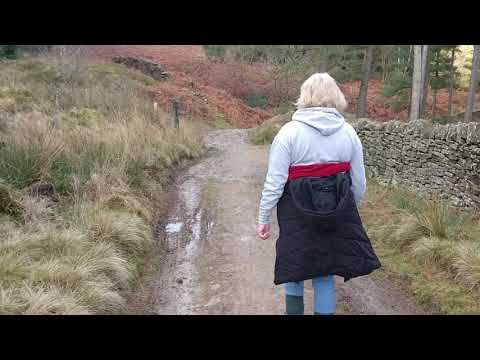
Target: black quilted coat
(321, 232)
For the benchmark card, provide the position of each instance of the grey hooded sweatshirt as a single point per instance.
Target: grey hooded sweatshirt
(315, 135)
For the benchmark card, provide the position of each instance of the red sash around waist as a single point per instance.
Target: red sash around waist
(317, 170)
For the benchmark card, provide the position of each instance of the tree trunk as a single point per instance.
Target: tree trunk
(324, 60)
(470, 106)
(407, 67)
(362, 96)
(416, 82)
(434, 104)
(384, 67)
(452, 84)
(323, 66)
(435, 90)
(425, 70)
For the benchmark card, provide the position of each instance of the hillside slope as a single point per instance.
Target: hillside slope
(216, 90)
(200, 85)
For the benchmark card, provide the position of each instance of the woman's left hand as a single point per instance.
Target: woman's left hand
(263, 231)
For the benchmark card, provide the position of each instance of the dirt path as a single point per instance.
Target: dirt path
(215, 264)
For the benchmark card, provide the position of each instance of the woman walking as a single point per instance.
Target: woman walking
(316, 178)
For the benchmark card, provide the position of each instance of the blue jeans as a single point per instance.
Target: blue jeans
(324, 298)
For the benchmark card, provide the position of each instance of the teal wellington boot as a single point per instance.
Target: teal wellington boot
(294, 305)
(316, 313)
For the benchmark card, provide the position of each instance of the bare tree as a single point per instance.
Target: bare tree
(420, 57)
(425, 71)
(470, 105)
(68, 61)
(451, 86)
(411, 57)
(435, 88)
(416, 82)
(362, 96)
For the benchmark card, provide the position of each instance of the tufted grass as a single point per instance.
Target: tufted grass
(266, 132)
(110, 159)
(430, 247)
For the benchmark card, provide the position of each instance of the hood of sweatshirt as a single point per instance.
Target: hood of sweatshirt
(326, 120)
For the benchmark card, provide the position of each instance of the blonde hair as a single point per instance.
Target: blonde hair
(321, 90)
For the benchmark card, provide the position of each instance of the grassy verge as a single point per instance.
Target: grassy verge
(264, 134)
(90, 133)
(429, 248)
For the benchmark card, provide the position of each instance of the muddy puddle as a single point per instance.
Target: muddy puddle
(186, 231)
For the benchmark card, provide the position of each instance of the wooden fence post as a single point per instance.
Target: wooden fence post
(175, 114)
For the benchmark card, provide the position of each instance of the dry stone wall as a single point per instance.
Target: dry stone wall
(430, 159)
(148, 68)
